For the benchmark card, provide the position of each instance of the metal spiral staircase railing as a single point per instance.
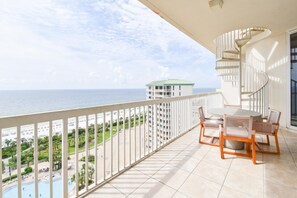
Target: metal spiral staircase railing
(252, 82)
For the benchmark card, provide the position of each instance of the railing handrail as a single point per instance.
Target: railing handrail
(263, 86)
(18, 120)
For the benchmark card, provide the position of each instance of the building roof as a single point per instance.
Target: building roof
(170, 82)
(204, 23)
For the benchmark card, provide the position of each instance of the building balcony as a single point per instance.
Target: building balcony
(127, 156)
(186, 169)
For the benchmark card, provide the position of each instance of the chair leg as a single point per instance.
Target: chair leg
(276, 143)
(222, 145)
(253, 150)
(248, 147)
(201, 128)
(267, 137)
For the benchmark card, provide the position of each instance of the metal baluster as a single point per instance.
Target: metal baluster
(76, 157)
(96, 148)
(19, 165)
(87, 153)
(103, 150)
(36, 159)
(111, 143)
(64, 160)
(118, 133)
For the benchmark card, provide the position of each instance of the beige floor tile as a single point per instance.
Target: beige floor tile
(149, 167)
(171, 176)
(196, 186)
(107, 191)
(211, 172)
(129, 181)
(281, 176)
(180, 195)
(272, 190)
(227, 192)
(279, 164)
(153, 188)
(246, 165)
(245, 183)
(184, 162)
(215, 158)
(284, 155)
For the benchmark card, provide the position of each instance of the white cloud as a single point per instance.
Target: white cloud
(94, 44)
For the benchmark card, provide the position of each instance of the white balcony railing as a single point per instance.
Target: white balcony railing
(93, 145)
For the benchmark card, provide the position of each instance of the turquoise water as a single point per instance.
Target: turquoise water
(28, 189)
(26, 102)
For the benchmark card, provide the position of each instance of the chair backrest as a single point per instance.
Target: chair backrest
(201, 114)
(274, 116)
(238, 124)
(232, 106)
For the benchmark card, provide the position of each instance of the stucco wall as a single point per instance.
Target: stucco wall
(272, 56)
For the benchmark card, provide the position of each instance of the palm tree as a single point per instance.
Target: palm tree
(12, 148)
(7, 142)
(12, 165)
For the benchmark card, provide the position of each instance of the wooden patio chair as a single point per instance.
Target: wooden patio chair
(238, 128)
(209, 124)
(268, 128)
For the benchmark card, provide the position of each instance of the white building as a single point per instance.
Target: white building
(160, 114)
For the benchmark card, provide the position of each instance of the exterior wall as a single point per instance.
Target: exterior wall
(230, 93)
(272, 56)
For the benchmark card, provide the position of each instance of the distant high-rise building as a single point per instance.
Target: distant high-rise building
(161, 114)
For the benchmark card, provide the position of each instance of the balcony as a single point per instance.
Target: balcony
(186, 169)
(130, 159)
(71, 153)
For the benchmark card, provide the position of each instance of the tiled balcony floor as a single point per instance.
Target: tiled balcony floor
(186, 169)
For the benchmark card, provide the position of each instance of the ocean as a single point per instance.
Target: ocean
(36, 101)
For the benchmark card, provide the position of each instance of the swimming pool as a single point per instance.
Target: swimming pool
(28, 189)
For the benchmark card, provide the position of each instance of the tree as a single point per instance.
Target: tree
(7, 142)
(12, 165)
(12, 148)
(3, 167)
(81, 176)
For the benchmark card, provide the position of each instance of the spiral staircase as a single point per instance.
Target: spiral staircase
(252, 82)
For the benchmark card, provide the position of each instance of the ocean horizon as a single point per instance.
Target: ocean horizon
(20, 102)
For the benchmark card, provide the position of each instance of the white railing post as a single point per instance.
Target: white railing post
(19, 166)
(87, 153)
(36, 159)
(76, 157)
(96, 148)
(64, 159)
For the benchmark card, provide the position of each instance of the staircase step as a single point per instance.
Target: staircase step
(226, 67)
(246, 92)
(245, 99)
(242, 42)
(228, 59)
(227, 55)
(233, 52)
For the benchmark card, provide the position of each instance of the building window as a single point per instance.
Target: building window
(179, 87)
(179, 94)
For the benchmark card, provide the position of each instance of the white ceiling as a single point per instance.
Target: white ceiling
(203, 24)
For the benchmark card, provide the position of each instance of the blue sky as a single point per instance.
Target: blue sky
(88, 44)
